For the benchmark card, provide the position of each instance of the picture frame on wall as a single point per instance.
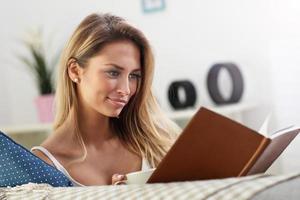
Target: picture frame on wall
(153, 5)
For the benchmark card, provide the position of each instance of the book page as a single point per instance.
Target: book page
(284, 130)
(265, 126)
(281, 139)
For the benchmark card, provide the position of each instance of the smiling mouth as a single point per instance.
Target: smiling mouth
(117, 102)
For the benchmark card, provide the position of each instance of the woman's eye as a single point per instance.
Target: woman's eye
(113, 73)
(134, 76)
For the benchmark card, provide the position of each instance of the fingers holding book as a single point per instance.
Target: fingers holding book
(118, 179)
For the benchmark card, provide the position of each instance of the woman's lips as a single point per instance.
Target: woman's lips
(117, 102)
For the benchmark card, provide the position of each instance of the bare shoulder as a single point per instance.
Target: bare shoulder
(59, 145)
(48, 144)
(42, 156)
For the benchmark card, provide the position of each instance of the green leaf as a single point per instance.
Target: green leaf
(38, 66)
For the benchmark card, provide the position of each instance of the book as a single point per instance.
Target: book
(213, 146)
(19, 166)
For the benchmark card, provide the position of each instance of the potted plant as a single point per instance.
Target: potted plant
(42, 70)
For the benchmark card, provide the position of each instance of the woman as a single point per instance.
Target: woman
(107, 121)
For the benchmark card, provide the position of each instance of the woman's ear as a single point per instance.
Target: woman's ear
(74, 70)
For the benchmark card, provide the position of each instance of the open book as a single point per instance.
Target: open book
(213, 146)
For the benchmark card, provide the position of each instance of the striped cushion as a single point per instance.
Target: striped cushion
(241, 188)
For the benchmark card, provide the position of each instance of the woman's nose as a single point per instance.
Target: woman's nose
(123, 88)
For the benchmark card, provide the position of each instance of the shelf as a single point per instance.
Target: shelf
(184, 115)
(27, 128)
(226, 110)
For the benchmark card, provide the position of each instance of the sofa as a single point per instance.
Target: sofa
(255, 187)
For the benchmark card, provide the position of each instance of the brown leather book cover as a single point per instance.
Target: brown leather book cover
(213, 146)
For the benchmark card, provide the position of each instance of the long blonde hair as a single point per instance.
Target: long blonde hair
(142, 126)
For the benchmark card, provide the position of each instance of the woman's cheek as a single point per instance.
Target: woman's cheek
(108, 84)
(133, 88)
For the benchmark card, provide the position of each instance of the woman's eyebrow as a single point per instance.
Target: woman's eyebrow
(121, 68)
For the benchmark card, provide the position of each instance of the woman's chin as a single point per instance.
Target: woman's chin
(115, 114)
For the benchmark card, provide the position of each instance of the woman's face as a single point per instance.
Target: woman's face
(110, 78)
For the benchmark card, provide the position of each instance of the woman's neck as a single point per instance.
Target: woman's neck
(94, 127)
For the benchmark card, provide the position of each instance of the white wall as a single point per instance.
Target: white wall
(262, 37)
(57, 19)
(188, 37)
(284, 54)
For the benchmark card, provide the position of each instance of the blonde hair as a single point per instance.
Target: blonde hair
(142, 126)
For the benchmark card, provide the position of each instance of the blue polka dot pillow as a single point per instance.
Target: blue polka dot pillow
(19, 166)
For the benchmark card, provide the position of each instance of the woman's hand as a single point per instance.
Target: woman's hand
(118, 179)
